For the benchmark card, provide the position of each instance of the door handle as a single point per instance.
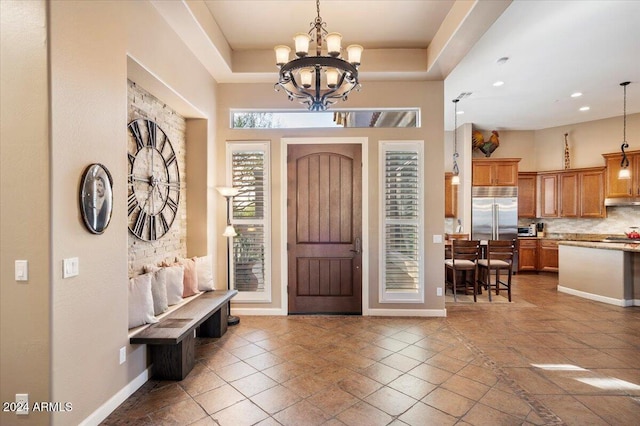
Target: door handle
(358, 248)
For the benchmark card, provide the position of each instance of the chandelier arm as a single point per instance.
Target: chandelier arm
(624, 163)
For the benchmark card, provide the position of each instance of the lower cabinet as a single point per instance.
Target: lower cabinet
(537, 255)
(548, 255)
(527, 255)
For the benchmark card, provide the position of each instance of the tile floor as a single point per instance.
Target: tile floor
(550, 359)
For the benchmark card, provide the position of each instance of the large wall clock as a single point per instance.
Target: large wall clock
(154, 181)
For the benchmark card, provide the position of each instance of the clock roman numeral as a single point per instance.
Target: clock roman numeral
(132, 160)
(171, 159)
(135, 131)
(173, 204)
(163, 143)
(152, 128)
(140, 222)
(164, 224)
(132, 203)
(152, 227)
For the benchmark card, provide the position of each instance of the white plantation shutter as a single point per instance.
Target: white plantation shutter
(249, 172)
(402, 246)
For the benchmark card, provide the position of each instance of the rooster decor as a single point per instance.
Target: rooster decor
(487, 147)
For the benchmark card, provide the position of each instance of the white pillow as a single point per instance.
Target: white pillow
(174, 281)
(140, 301)
(205, 273)
(159, 291)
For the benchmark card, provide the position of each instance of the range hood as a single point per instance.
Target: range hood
(626, 201)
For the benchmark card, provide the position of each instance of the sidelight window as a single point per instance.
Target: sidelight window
(402, 266)
(250, 261)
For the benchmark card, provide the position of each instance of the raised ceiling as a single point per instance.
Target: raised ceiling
(555, 48)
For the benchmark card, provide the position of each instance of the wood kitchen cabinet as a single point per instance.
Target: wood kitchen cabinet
(573, 193)
(527, 254)
(537, 255)
(548, 195)
(622, 188)
(527, 194)
(591, 193)
(498, 172)
(548, 255)
(450, 196)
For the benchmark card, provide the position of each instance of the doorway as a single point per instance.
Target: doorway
(324, 228)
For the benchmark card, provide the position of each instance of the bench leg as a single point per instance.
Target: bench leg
(215, 325)
(173, 362)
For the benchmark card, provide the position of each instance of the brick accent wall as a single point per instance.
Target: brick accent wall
(141, 104)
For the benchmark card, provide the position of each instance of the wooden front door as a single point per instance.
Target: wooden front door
(324, 219)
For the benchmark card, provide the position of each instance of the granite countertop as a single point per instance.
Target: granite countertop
(631, 246)
(591, 241)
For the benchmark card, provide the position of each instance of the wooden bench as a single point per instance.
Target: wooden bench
(172, 340)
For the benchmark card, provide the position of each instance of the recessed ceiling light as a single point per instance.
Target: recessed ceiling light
(576, 94)
(498, 83)
(585, 108)
(460, 112)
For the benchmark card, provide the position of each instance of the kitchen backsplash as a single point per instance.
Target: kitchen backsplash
(618, 220)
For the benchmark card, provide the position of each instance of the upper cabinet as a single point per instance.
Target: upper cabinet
(450, 197)
(527, 194)
(622, 188)
(498, 172)
(572, 193)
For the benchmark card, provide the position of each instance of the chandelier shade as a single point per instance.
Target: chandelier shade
(321, 80)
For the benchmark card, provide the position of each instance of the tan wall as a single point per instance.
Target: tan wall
(426, 95)
(61, 337)
(587, 142)
(25, 342)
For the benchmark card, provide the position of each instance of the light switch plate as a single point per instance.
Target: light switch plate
(22, 270)
(437, 239)
(70, 267)
(123, 354)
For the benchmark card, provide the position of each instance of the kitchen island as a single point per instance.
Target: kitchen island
(607, 272)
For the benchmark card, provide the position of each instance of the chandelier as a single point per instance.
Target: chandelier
(624, 172)
(318, 81)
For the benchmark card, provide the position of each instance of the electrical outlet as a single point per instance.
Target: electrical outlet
(438, 291)
(22, 404)
(123, 354)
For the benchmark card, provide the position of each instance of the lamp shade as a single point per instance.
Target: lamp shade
(354, 53)
(302, 44)
(455, 180)
(229, 231)
(282, 54)
(334, 41)
(332, 77)
(306, 77)
(624, 174)
(228, 191)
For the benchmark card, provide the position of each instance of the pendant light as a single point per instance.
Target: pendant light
(455, 180)
(624, 172)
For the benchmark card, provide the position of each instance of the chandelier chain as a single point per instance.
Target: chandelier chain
(624, 162)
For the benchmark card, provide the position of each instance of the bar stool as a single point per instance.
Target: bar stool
(464, 259)
(500, 255)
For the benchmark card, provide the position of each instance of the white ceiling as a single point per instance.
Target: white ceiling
(555, 48)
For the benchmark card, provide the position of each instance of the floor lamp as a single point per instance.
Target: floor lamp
(229, 232)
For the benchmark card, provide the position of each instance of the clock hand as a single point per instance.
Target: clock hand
(139, 179)
(170, 184)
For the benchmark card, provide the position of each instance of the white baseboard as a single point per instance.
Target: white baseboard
(597, 297)
(407, 312)
(109, 407)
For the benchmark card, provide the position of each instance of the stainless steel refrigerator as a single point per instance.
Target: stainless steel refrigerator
(494, 213)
